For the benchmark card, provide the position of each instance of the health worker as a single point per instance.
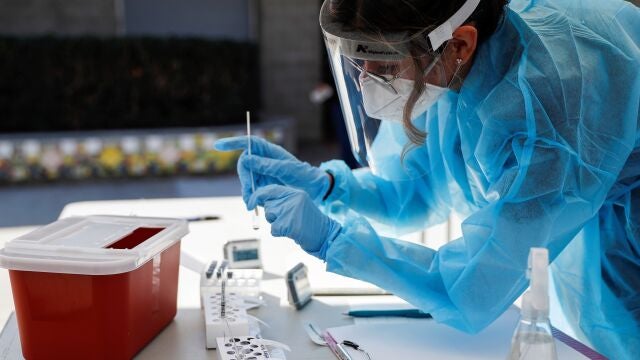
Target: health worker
(521, 117)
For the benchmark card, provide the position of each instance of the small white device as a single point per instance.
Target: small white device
(299, 293)
(243, 254)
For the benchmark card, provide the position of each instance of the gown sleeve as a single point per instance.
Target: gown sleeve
(544, 196)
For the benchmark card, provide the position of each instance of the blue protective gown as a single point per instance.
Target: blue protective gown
(540, 148)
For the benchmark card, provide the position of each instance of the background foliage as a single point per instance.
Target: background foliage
(66, 84)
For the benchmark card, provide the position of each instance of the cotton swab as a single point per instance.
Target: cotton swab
(256, 213)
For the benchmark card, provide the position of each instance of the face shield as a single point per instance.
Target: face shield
(374, 80)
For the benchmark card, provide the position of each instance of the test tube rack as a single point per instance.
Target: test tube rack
(223, 291)
(225, 317)
(243, 282)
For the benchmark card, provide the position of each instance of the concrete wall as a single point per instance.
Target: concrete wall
(61, 17)
(291, 50)
(229, 19)
(291, 53)
(232, 19)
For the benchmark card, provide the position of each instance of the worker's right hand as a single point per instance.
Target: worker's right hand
(292, 214)
(272, 164)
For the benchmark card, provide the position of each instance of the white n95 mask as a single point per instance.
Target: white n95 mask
(381, 103)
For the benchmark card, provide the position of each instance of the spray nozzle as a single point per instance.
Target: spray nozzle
(535, 302)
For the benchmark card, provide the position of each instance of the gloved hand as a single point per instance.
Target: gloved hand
(292, 214)
(271, 164)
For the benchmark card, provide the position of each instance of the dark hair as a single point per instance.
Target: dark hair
(376, 17)
(413, 16)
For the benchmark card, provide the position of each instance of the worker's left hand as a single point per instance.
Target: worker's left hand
(272, 164)
(293, 214)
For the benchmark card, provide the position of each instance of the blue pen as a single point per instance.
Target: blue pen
(408, 313)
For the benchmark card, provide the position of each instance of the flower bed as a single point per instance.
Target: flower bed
(114, 154)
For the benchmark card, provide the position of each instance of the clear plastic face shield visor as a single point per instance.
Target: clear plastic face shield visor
(375, 80)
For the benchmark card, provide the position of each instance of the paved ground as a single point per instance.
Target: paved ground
(41, 204)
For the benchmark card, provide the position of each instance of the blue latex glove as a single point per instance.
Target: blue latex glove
(292, 214)
(271, 164)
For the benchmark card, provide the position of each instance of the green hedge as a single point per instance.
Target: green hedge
(62, 84)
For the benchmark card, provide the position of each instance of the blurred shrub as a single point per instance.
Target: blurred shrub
(51, 84)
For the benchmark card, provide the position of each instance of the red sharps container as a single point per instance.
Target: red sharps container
(97, 287)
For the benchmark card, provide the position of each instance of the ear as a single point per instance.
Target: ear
(457, 53)
(463, 44)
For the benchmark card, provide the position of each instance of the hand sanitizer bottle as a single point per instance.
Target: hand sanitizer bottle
(533, 338)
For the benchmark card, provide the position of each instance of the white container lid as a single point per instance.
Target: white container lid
(79, 245)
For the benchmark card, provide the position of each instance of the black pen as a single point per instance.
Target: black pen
(203, 218)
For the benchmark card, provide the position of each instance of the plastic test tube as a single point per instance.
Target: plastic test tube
(256, 213)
